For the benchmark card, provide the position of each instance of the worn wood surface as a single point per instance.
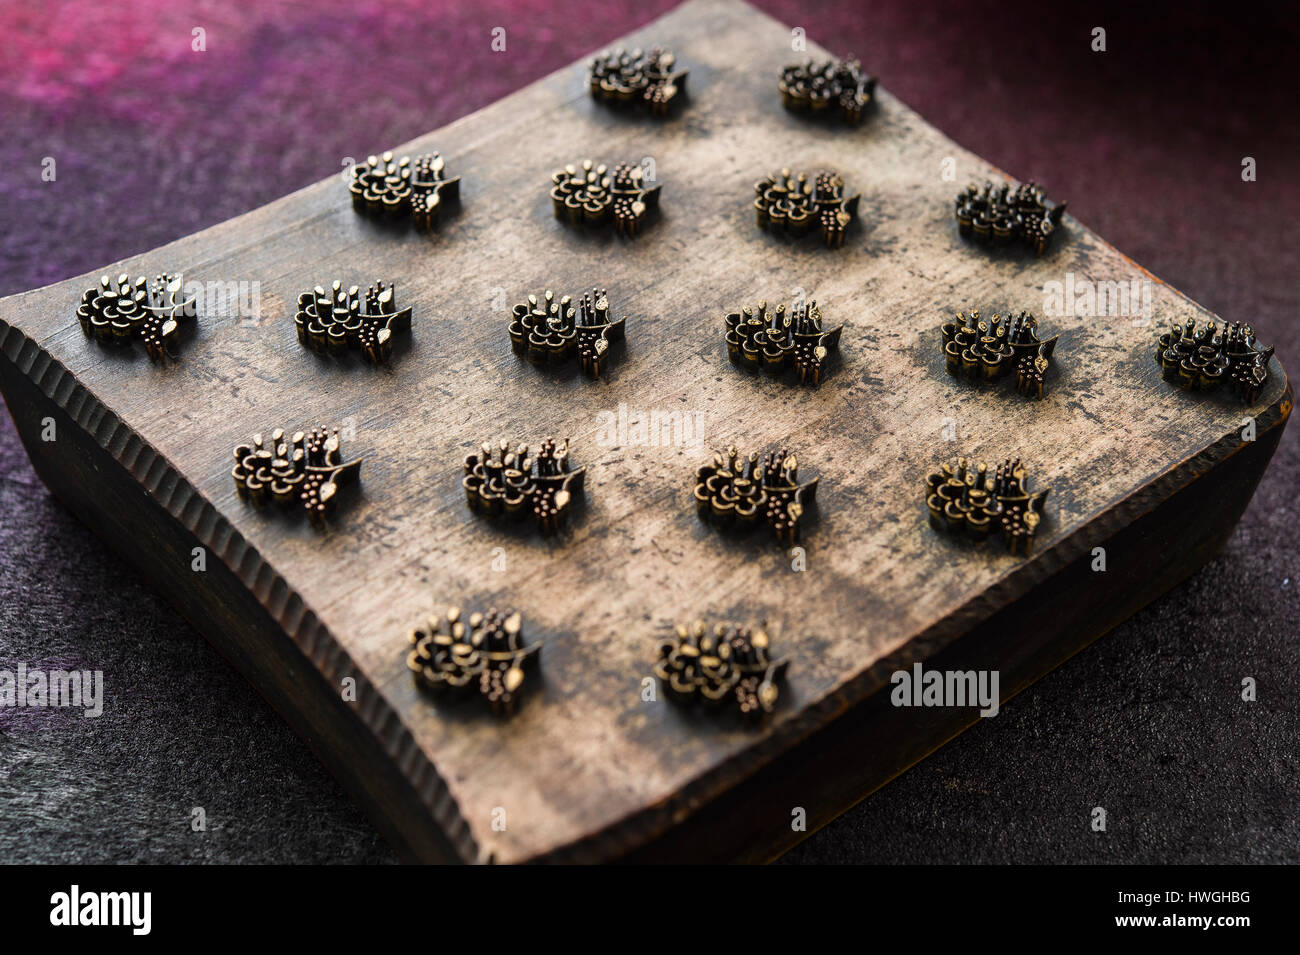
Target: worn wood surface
(586, 769)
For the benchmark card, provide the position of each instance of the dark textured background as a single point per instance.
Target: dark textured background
(154, 141)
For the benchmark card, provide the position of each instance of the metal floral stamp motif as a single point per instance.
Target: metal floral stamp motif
(1204, 358)
(304, 471)
(977, 500)
(738, 492)
(418, 190)
(985, 349)
(725, 664)
(776, 340)
(989, 213)
(500, 482)
(548, 332)
(330, 322)
(590, 195)
(621, 78)
(484, 653)
(120, 312)
(791, 204)
(833, 88)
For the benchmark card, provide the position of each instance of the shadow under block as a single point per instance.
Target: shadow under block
(586, 770)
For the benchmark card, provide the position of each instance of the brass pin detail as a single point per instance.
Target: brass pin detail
(550, 333)
(1204, 358)
(999, 215)
(986, 349)
(775, 339)
(590, 195)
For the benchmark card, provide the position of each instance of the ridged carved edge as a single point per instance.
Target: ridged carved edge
(183, 502)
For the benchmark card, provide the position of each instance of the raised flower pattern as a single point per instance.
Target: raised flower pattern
(735, 491)
(648, 78)
(304, 471)
(1204, 358)
(550, 333)
(725, 664)
(500, 482)
(1002, 214)
(484, 654)
(794, 204)
(591, 195)
(776, 339)
(832, 87)
(978, 500)
(337, 320)
(418, 189)
(118, 312)
(986, 349)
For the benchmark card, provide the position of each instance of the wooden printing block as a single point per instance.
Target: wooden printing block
(587, 770)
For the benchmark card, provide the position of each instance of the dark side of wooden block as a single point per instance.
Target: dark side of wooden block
(586, 770)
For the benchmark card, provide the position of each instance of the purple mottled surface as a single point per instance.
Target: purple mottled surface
(153, 140)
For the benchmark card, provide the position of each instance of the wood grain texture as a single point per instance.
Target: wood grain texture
(586, 770)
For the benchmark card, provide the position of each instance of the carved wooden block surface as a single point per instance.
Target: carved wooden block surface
(587, 769)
